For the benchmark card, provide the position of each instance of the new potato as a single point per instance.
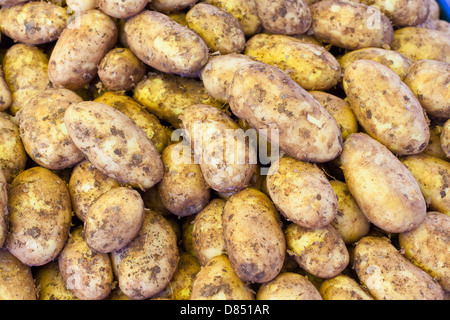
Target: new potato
(343, 287)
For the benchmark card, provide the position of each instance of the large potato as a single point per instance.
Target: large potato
(40, 216)
(343, 287)
(267, 98)
(388, 275)
(50, 283)
(114, 144)
(122, 9)
(3, 209)
(384, 189)
(402, 13)
(385, 107)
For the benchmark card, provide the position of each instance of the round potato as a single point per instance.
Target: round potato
(343, 287)
(122, 9)
(171, 5)
(402, 13)
(50, 283)
(3, 209)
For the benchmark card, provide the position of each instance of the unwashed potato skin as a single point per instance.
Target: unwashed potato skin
(253, 237)
(50, 283)
(80, 48)
(445, 138)
(87, 274)
(320, 252)
(428, 79)
(284, 17)
(168, 6)
(434, 148)
(385, 107)
(43, 132)
(165, 45)
(350, 25)
(386, 192)
(122, 9)
(16, 279)
(388, 275)
(343, 287)
(114, 144)
(427, 247)
(40, 215)
(80, 6)
(11, 2)
(311, 66)
(218, 28)
(442, 25)
(147, 264)
(217, 280)
(288, 286)
(34, 22)
(267, 98)
(5, 94)
(3, 209)
(402, 13)
(182, 190)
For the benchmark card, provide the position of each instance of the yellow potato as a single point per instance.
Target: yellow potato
(50, 283)
(5, 94)
(445, 138)
(343, 287)
(434, 148)
(288, 286)
(167, 6)
(122, 9)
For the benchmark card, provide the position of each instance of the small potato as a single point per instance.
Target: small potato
(50, 283)
(120, 70)
(427, 247)
(253, 237)
(5, 94)
(402, 13)
(113, 220)
(302, 193)
(383, 187)
(182, 190)
(288, 286)
(385, 107)
(114, 144)
(388, 275)
(320, 252)
(40, 216)
(167, 6)
(122, 9)
(434, 148)
(16, 279)
(3, 209)
(311, 66)
(343, 287)
(87, 274)
(217, 280)
(284, 17)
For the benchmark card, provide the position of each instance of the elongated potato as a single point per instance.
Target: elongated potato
(122, 9)
(402, 13)
(384, 189)
(267, 98)
(50, 284)
(3, 209)
(288, 286)
(114, 144)
(388, 275)
(343, 287)
(80, 48)
(385, 107)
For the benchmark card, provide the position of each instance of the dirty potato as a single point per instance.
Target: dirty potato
(445, 138)
(5, 94)
(50, 284)
(3, 209)
(168, 6)
(343, 287)
(122, 9)
(434, 148)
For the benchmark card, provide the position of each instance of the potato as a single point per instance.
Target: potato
(388, 275)
(122, 9)
(187, 226)
(165, 45)
(114, 144)
(217, 280)
(81, 6)
(117, 294)
(3, 209)
(428, 79)
(87, 274)
(343, 287)
(145, 120)
(445, 138)
(284, 17)
(427, 247)
(218, 148)
(383, 187)
(182, 190)
(402, 13)
(80, 48)
(434, 148)
(207, 232)
(5, 94)
(171, 5)
(16, 279)
(120, 70)
(50, 283)
(385, 107)
(152, 201)
(311, 66)
(320, 252)
(421, 43)
(350, 221)
(34, 22)
(11, 2)
(39, 216)
(179, 17)
(13, 157)
(350, 25)
(288, 286)
(167, 96)
(147, 264)
(253, 237)
(267, 98)
(442, 25)
(244, 11)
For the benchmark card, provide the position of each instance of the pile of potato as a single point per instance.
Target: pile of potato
(101, 196)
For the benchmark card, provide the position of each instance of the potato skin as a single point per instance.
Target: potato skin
(50, 283)
(288, 286)
(384, 189)
(350, 25)
(40, 215)
(267, 98)
(427, 247)
(385, 107)
(5, 94)
(402, 13)
(434, 148)
(80, 48)
(343, 287)
(253, 237)
(388, 275)
(122, 9)
(168, 6)
(114, 144)
(4, 215)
